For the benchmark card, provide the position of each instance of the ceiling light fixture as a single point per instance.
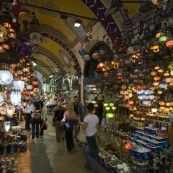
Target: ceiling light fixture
(77, 23)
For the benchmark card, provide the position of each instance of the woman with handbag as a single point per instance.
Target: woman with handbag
(59, 128)
(69, 120)
(91, 126)
(43, 118)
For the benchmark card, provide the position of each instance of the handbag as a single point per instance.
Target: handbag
(82, 136)
(54, 122)
(44, 125)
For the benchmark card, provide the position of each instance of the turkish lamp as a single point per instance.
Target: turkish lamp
(111, 104)
(154, 110)
(156, 78)
(169, 43)
(163, 86)
(10, 111)
(93, 101)
(155, 84)
(15, 97)
(166, 109)
(162, 108)
(131, 115)
(166, 74)
(143, 119)
(170, 66)
(159, 92)
(105, 104)
(156, 67)
(152, 88)
(113, 108)
(110, 115)
(160, 70)
(95, 105)
(153, 73)
(159, 34)
(19, 85)
(163, 39)
(107, 108)
(168, 80)
(5, 77)
(7, 125)
(168, 104)
(3, 110)
(161, 103)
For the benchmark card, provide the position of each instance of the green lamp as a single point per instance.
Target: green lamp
(111, 104)
(105, 104)
(113, 108)
(107, 108)
(109, 115)
(163, 39)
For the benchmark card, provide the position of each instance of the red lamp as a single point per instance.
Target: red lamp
(169, 43)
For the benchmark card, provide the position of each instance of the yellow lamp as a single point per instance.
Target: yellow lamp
(111, 104)
(107, 108)
(113, 108)
(105, 104)
(109, 115)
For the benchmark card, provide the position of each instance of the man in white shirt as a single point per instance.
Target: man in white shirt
(27, 112)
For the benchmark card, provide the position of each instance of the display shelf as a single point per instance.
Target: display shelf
(155, 137)
(149, 140)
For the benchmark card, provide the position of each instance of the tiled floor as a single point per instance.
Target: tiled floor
(60, 159)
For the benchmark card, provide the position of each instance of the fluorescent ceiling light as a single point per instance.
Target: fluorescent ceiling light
(77, 23)
(34, 64)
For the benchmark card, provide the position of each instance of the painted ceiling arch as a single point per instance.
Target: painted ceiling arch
(43, 51)
(41, 62)
(65, 48)
(58, 30)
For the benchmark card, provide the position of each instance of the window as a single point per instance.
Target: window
(64, 57)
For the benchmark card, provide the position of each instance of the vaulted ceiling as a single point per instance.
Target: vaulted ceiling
(59, 36)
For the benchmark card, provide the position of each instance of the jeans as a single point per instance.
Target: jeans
(90, 162)
(59, 132)
(27, 120)
(69, 138)
(35, 128)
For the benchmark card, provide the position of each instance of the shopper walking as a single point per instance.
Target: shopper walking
(43, 116)
(35, 120)
(58, 116)
(27, 112)
(70, 120)
(91, 126)
(78, 108)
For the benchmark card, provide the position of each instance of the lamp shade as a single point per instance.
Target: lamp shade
(169, 80)
(5, 77)
(3, 110)
(19, 85)
(109, 115)
(10, 111)
(169, 43)
(163, 85)
(29, 87)
(163, 39)
(15, 97)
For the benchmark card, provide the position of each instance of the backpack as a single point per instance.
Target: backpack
(36, 114)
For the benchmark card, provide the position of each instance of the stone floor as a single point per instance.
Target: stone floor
(49, 156)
